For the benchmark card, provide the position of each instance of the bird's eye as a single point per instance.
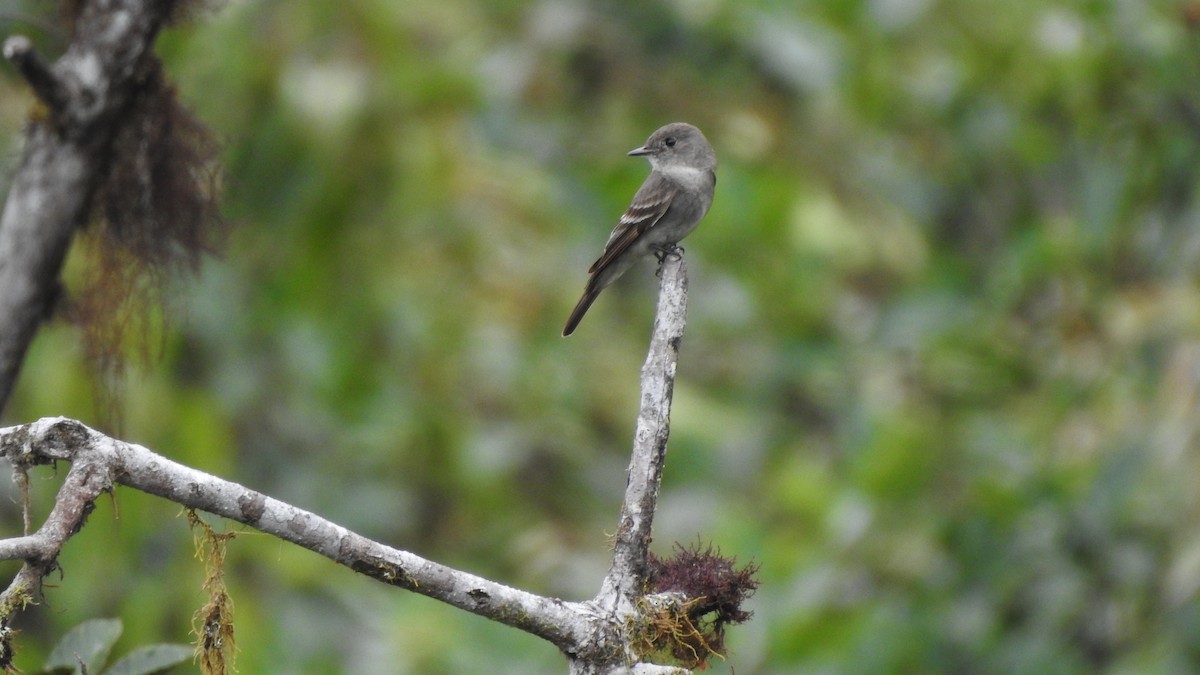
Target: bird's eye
(670, 141)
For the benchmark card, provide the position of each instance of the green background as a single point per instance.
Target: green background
(941, 376)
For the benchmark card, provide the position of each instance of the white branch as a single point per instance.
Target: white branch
(99, 462)
(84, 92)
(626, 579)
(593, 635)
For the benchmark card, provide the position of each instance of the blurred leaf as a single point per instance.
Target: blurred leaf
(151, 659)
(89, 641)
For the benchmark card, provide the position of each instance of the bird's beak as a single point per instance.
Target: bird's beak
(638, 152)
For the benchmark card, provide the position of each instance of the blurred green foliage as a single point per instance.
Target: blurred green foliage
(941, 376)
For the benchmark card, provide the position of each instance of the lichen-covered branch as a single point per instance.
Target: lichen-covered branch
(98, 463)
(596, 636)
(626, 579)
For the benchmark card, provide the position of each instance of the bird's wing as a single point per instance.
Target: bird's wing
(649, 205)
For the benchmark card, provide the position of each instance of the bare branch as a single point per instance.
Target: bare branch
(651, 669)
(626, 579)
(19, 50)
(595, 635)
(100, 462)
(21, 548)
(648, 669)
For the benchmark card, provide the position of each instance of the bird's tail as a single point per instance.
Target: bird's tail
(589, 296)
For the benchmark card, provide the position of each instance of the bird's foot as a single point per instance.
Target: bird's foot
(667, 252)
(672, 251)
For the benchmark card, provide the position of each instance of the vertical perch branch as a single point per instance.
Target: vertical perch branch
(626, 579)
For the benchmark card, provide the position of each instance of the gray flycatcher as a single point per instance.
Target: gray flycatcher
(668, 206)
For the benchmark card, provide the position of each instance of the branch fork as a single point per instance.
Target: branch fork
(595, 635)
(66, 156)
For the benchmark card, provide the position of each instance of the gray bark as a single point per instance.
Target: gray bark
(593, 634)
(65, 157)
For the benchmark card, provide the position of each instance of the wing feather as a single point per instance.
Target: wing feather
(649, 205)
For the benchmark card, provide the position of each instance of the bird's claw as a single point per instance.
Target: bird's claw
(665, 252)
(672, 251)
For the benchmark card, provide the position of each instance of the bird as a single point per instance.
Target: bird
(666, 208)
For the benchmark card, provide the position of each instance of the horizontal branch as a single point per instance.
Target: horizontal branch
(99, 462)
(594, 635)
(22, 548)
